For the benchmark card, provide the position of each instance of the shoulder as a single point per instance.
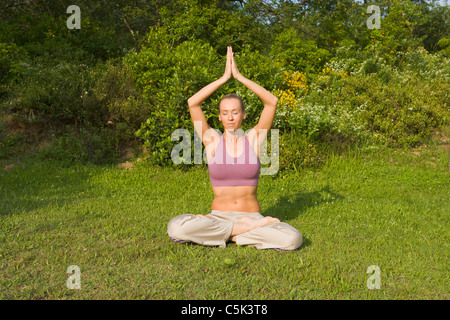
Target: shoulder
(211, 140)
(256, 136)
(211, 136)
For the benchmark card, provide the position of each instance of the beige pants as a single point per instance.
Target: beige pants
(216, 231)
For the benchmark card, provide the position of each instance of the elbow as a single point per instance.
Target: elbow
(275, 101)
(190, 102)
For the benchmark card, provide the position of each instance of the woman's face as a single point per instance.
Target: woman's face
(231, 114)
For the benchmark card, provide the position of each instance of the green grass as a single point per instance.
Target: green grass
(390, 210)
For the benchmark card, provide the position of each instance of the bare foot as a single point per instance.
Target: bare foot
(246, 224)
(253, 223)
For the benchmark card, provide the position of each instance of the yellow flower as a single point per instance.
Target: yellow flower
(295, 81)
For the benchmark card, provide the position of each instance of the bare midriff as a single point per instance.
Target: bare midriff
(235, 198)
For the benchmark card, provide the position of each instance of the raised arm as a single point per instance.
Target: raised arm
(258, 133)
(268, 99)
(197, 99)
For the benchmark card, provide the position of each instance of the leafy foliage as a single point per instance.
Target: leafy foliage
(128, 72)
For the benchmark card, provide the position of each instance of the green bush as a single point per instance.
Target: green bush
(298, 54)
(425, 66)
(12, 65)
(116, 93)
(55, 96)
(370, 102)
(444, 45)
(350, 102)
(297, 151)
(82, 146)
(168, 76)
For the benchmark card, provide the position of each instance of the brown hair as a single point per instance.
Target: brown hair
(232, 96)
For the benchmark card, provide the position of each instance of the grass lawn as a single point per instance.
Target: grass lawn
(390, 211)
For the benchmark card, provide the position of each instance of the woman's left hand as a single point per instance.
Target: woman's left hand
(234, 68)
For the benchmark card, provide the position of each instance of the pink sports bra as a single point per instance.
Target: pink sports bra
(225, 170)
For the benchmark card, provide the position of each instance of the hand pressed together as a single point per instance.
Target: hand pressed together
(231, 69)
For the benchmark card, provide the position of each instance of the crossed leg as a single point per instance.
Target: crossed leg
(246, 224)
(218, 228)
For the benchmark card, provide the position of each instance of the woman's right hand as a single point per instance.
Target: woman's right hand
(228, 73)
(197, 99)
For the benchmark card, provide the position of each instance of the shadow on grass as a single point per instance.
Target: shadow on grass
(35, 186)
(290, 206)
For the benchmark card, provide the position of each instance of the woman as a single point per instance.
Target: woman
(233, 162)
